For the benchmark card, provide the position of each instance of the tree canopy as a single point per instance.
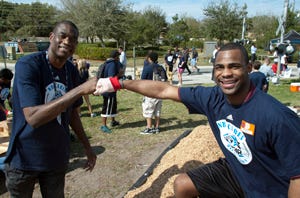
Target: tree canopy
(101, 20)
(224, 20)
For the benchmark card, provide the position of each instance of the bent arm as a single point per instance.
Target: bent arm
(42, 114)
(294, 189)
(154, 89)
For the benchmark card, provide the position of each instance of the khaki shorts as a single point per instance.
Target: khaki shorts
(151, 107)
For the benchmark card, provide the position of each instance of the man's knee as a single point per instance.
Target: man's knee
(184, 187)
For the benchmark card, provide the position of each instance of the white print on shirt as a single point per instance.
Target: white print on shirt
(4, 93)
(51, 94)
(170, 58)
(234, 141)
(229, 117)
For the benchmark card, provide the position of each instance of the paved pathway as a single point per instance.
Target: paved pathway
(204, 76)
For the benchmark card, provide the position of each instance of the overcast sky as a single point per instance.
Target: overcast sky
(194, 8)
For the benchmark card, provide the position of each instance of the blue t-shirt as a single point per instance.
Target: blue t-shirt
(111, 69)
(46, 147)
(260, 138)
(149, 70)
(147, 73)
(258, 79)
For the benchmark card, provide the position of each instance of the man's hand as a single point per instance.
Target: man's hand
(91, 160)
(89, 86)
(107, 85)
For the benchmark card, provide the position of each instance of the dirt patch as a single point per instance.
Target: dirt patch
(198, 148)
(111, 181)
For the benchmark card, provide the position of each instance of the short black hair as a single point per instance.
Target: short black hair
(6, 74)
(67, 22)
(114, 54)
(153, 56)
(256, 65)
(232, 46)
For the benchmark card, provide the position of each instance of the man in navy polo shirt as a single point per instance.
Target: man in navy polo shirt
(46, 94)
(259, 136)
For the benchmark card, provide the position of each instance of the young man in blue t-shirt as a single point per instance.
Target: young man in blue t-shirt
(46, 94)
(258, 135)
(151, 106)
(110, 104)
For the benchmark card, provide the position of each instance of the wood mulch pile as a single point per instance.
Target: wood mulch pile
(196, 149)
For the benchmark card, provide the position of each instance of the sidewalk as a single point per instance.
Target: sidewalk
(204, 76)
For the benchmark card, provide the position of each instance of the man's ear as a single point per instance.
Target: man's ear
(51, 35)
(249, 67)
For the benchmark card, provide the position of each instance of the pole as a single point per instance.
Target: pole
(286, 5)
(134, 62)
(3, 54)
(243, 30)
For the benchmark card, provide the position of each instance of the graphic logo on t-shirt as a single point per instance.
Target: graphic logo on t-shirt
(170, 58)
(247, 127)
(229, 117)
(234, 141)
(52, 94)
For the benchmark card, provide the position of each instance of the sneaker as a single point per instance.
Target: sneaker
(156, 130)
(93, 115)
(105, 129)
(147, 131)
(114, 123)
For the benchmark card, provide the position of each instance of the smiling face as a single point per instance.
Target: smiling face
(63, 41)
(231, 74)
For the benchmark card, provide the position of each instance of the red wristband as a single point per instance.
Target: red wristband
(115, 83)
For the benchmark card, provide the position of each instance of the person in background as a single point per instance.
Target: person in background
(185, 59)
(275, 65)
(46, 95)
(123, 61)
(249, 125)
(275, 53)
(266, 69)
(253, 50)
(194, 60)
(180, 69)
(283, 62)
(6, 76)
(258, 79)
(151, 106)
(176, 61)
(83, 68)
(213, 58)
(170, 60)
(109, 108)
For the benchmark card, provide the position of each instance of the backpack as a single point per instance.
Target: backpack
(100, 72)
(159, 73)
(101, 69)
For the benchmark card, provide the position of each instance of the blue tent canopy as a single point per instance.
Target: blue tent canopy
(292, 37)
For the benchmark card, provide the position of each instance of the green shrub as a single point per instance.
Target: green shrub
(93, 52)
(195, 43)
